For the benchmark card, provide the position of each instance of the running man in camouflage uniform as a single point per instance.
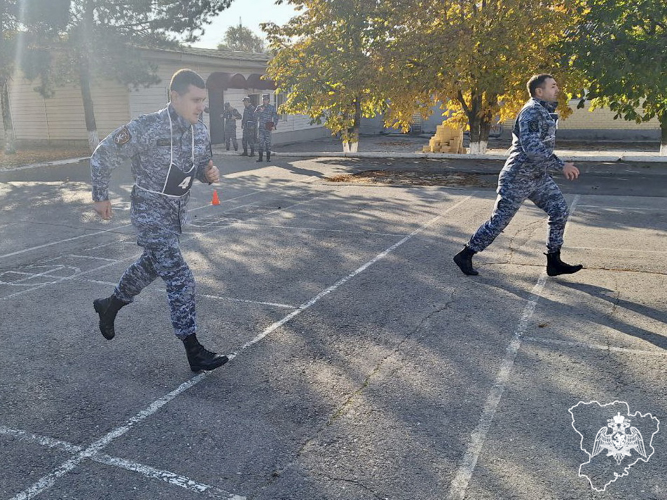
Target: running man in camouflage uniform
(267, 121)
(526, 176)
(230, 115)
(168, 150)
(249, 127)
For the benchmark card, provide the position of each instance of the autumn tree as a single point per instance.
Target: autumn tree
(325, 64)
(474, 57)
(620, 49)
(242, 39)
(103, 38)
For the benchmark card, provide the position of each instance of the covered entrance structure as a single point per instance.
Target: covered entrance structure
(218, 84)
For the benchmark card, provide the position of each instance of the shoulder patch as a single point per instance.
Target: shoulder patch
(122, 136)
(534, 125)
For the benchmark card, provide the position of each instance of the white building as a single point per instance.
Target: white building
(229, 76)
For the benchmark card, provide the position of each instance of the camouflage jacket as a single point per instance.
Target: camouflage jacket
(248, 117)
(163, 165)
(230, 116)
(533, 143)
(265, 114)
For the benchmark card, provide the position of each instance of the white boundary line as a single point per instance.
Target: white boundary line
(189, 237)
(459, 485)
(96, 447)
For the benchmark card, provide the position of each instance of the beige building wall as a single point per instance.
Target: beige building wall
(61, 117)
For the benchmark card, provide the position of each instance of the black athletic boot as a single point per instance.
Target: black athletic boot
(261, 155)
(245, 153)
(463, 259)
(268, 156)
(107, 309)
(199, 358)
(555, 266)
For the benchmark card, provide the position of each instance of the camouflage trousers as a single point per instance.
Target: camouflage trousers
(230, 136)
(264, 143)
(543, 192)
(162, 258)
(249, 138)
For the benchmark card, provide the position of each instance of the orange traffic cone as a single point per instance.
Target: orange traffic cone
(215, 200)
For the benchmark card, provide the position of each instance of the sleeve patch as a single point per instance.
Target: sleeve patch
(122, 136)
(534, 125)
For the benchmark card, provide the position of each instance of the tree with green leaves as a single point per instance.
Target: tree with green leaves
(473, 57)
(21, 23)
(619, 47)
(242, 39)
(325, 64)
(103, 38)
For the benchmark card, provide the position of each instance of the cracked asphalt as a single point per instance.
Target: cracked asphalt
(365, 365)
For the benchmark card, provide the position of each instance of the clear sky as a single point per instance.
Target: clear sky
(251, 12)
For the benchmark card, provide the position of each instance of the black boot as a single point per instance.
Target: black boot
(268, 156)
(261, 154)
(245, 153)
(252, 152)
(463, 259)
(555, 266)
(199, 358)
(107, 309)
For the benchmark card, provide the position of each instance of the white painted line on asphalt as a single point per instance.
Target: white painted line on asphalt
(598, 347)
(49, 480)
(459, 485)
(135, 256)
(231, 299)
(145, 470)
(58, 242)
(41, 440)
(166, 476)
(347, 278)
(111, 230)
(95, 448)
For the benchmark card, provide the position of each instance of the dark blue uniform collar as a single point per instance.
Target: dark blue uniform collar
(178, 121)
(549, 106)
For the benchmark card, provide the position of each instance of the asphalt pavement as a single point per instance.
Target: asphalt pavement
(364, 365)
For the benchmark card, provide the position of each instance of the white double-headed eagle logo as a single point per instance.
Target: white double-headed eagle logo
(619, 443)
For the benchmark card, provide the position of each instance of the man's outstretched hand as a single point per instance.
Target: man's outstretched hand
(570, 171)
(103, 208)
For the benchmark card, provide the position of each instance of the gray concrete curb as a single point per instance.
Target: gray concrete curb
(447, 156)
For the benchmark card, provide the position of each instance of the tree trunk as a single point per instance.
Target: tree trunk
(84, 77)
(479, 134)
(8, 125)
(663, 135)
(88, 107)
(351, 139)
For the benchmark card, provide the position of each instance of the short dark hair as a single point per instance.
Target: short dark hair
(537, 81)
(183, 78)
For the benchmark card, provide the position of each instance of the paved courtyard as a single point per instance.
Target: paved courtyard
(365, 365)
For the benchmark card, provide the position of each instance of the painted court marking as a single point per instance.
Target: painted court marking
(96, 447)
(459, 485)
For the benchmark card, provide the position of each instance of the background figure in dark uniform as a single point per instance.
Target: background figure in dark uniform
(249, 127)
(168, 149)
(267, 121)
(525, 176)
(230, 115)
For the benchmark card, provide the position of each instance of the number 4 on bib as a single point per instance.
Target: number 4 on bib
(185, 183)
